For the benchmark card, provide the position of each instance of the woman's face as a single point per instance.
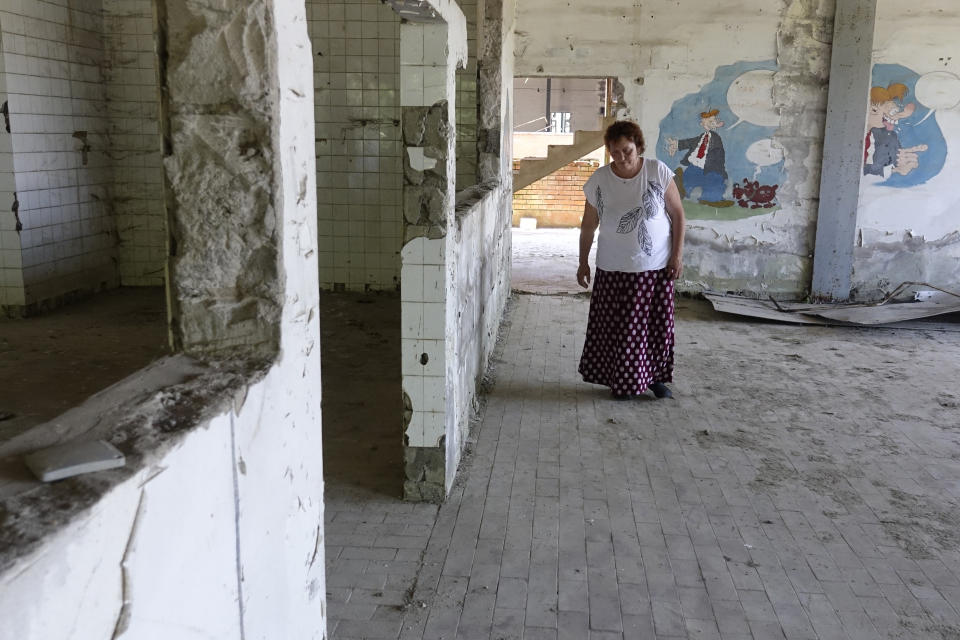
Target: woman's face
(624, 154)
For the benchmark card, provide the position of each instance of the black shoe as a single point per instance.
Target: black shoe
(660, 390)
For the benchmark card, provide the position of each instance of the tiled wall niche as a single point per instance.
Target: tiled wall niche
(466, 103)
(356, 60)
(71, 71)
(52, 58)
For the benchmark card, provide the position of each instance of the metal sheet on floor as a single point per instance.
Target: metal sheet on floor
(894, 315)
(938, 304)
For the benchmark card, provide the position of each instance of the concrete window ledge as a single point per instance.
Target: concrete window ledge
(468, 199)
(147, 416)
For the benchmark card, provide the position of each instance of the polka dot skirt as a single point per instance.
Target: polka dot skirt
(630, 339)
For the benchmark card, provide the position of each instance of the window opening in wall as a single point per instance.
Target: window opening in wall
(560, 122)
(557, 145)
(82, 224)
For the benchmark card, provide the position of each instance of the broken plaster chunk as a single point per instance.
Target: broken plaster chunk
(414, 123)
(419, 161)
(74, 458)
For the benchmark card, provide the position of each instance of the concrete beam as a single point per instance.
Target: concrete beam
(847, 103)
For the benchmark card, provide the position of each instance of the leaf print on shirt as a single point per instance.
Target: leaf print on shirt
(599, 203)
(652, 205)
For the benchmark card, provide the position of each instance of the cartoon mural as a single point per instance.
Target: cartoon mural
(908, 180)
(882, 152)
(704, 161)
(901, 147)
(736, 175)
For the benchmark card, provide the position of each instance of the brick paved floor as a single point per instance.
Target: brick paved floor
(802, 484)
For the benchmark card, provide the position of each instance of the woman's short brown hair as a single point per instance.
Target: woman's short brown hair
(625, 129)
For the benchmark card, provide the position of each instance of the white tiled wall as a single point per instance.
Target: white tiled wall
(11, 268)
(466, 103)
(423, 64)
(359, 166)
(423, 339)
(82, 88)
(52, 58)
(133, 105)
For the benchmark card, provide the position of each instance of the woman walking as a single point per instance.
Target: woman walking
(637, 208)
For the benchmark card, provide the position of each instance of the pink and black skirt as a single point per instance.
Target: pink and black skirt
(630, 337)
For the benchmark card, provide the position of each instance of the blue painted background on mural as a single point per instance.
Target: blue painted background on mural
(683, 121)
(911, 130)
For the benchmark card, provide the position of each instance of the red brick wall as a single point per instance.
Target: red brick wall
(556, 200)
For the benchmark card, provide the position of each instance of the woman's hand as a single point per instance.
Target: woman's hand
(583, 275)
(674, 267)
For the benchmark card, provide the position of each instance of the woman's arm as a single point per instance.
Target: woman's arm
(591, 219)
(674, 207)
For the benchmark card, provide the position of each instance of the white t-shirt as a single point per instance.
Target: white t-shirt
(634, 231)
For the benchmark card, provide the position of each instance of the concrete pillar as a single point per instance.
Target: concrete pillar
(847, 103)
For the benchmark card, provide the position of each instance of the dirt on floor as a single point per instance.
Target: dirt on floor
(362, 397)
(862, 420)
(52, 362)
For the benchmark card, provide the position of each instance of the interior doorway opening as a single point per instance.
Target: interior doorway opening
(557, 145)
(359, 146)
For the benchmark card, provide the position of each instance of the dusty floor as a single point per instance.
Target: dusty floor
(545, 261)
(52, 362)
(804, 483)
(362, 399)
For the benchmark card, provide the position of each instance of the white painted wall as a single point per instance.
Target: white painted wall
(220, 536)
(478, 272)
(481, 255)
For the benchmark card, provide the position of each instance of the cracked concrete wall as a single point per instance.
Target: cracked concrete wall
(220, 161)
(662, 55)
(907, 225)
(479, 243)
(215, 527)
